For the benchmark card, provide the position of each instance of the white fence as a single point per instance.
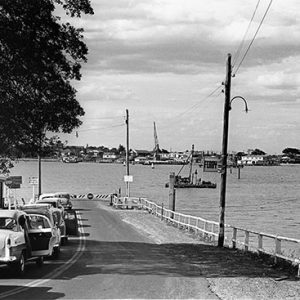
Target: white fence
(235, 237)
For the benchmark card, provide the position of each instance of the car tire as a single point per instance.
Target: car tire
(56, 252)
(40, 261)
(19, 266)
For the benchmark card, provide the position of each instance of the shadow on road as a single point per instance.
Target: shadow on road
(188, 260)
(35, 292)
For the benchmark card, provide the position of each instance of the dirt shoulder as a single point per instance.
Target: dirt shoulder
(231, 274)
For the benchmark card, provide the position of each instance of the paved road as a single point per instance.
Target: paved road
(110, 259)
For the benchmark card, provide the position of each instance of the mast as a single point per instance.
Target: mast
(191, 164)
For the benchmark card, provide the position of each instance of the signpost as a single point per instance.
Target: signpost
(33, 181)
(127, 179)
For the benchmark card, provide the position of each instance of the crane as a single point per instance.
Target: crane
(156, 149)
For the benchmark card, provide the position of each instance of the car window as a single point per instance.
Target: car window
(8, 223)
(38, 222)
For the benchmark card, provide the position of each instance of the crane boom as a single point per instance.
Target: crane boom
(156, 144)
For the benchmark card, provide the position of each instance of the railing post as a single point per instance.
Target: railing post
(162, 211)
(260, 243)
(205, 226)
(213, 231)
(234, 237)
(277, 248)
(246, 240)
(197, 226)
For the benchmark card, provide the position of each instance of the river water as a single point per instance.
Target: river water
(266, 199)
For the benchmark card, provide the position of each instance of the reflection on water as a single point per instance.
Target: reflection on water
(265, 198)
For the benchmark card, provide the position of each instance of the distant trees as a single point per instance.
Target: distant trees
(258, 152)
(291, 151)
(39, 56)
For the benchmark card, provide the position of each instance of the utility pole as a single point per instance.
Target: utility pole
(224, 153)
(40, 174)
(127, 151)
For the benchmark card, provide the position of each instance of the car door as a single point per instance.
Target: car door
(40, 234)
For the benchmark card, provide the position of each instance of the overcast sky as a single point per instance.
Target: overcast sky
(160, 59)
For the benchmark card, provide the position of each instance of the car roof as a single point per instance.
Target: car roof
(50, 199)
(10, 213)
(38, 209)
(47, 195)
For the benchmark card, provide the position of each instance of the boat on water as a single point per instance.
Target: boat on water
(191, 181)
(184, 182)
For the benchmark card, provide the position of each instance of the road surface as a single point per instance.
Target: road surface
(110, 259)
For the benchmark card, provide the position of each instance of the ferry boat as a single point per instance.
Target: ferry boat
(191, 181)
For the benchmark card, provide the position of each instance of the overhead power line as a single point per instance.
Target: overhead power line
(200, 102)
(237, 54)
(258, 28)
(98, 128)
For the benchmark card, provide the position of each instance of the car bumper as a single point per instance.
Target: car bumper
(7, 260)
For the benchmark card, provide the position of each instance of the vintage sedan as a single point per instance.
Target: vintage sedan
(16, 241)
(65, 198)
(44, 232)
(54, 201)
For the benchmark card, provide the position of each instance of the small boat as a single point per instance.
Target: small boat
(191, 181)
(184, 182)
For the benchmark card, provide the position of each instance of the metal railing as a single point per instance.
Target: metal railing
(235, 237)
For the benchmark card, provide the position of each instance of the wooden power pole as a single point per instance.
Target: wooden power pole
(224, 153)
(127, 152)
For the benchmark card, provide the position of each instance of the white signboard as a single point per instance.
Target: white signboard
(128, 178)
(33, 180)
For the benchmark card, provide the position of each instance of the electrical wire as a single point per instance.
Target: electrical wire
(97, 128)
(237, 54)
(197, 104)
(260, 24)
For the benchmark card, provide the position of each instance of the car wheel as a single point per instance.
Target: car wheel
(19, 266)
(56, 252)
(40, 261)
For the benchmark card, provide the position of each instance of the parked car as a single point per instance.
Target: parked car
(54, 201)
(18, 243)
(65, 198)
(71, 222)
(44, 231)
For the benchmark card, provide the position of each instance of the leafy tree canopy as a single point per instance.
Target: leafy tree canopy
(39, 56)
(258, 152)
(291, 151)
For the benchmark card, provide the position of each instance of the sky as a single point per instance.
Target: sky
(165, 61)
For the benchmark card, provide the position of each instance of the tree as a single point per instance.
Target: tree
(121, 149)
(39, 56)
(258, 152)
(291, 151)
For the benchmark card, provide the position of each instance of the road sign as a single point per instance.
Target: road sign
(34, 180)
(14, 186)
(13, 182)
(128, 178)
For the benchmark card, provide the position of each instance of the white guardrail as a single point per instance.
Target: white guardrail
(235, 237)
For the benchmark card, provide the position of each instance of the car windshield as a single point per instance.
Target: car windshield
(38, 222)
(8, 223)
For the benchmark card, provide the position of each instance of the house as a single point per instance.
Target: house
(250, 160)
(140, 156)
